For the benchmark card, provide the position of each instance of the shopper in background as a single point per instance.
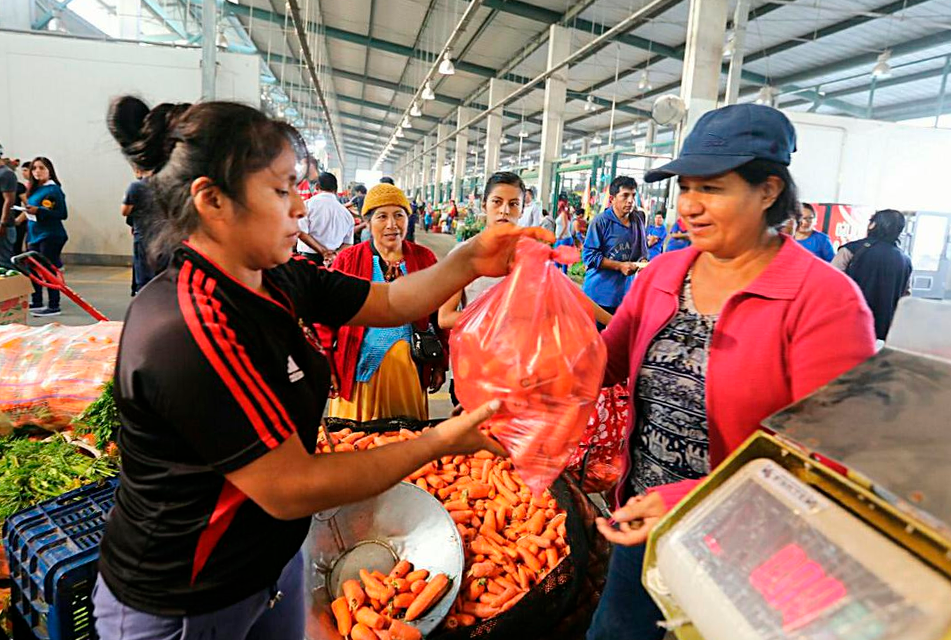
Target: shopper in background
(307, 188)
(879, 267)
(21, 219)
(135, 208)
(412, 222)
(427, 218)
(656, 235)
(816, 242)
(677, 237)
(328, 226)
(716, 337)
(221, 388)
(547, 222)
(531, 210)
(46, 210)
(378, 377)
(8, 198)
(615, 243)
(387, 180)
(562, 219)
(579, 228)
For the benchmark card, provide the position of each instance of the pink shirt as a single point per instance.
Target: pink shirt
(797, 326)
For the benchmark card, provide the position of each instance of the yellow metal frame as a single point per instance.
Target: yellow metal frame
(853, 493)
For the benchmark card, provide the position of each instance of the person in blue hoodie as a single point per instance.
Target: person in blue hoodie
(656, 234)
(615, 242)
(46, 210)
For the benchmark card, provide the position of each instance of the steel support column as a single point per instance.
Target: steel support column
(427, 170)
(209, 49)
(441, 132)
(733, 79)
(553, 118)
(493, 127)
(462, 152)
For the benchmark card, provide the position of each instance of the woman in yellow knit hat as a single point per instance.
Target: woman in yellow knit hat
(378, 376)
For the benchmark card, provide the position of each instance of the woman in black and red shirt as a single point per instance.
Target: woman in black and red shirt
(221, 387)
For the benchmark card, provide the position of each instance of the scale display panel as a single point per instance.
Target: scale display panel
(765, 557)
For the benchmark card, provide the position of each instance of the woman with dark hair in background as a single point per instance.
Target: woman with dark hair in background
(879, 267)
(46, 210)
(717, 336)
(806, 234)
(221, 385)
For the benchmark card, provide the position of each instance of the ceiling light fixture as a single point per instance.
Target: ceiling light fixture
(415, 111)
(399, 132)
(730, 47)
(596, 139)
(522, 133)
(445, 66)
(589, 104)
(407, 124)
(644, 84)
(428, 93)
(765, 95)
(882, 68)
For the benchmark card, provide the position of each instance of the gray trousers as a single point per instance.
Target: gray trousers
(250, 619)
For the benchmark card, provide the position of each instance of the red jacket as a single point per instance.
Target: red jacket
(797, 326)
(345, 342)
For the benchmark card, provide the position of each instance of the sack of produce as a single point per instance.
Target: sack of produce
(51, 374)
(531, 342)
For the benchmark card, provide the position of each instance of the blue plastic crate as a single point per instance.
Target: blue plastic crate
(52, 549)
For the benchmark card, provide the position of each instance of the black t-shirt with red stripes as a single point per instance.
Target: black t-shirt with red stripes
(211, 376)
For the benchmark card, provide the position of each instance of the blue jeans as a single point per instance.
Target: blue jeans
(250, 619)
(626, 611)
(8, 239)
(52, 248)
(141, 268)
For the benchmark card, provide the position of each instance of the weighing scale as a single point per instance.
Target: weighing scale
(779, 543)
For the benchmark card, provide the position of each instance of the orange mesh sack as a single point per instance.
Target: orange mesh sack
(531, 342)
(52, 373)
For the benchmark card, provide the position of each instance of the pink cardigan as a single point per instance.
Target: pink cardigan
(800, 324)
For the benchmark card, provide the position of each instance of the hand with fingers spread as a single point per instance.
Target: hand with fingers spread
(635, 520)
(492, 251)
(461, 434)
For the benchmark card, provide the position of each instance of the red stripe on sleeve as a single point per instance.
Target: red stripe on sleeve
(229, 500)
(185, 303)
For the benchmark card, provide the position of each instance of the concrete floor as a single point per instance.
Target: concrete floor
(108, 290)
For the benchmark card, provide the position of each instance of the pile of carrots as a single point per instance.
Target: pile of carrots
(373, 610)
(512, 540)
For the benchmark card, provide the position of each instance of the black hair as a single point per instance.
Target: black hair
(387, 180)
(502, 177)
(806, 205)
(25, 163)
(530, 190)
(327, 182)
(360, 189)
(222, 141)
(889, 224)
(49, 165)
(756, 172)
(622, 182)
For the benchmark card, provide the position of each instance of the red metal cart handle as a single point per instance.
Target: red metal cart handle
(43, 272)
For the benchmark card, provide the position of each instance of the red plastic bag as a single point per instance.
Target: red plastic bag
(531, 342)
(603, 441)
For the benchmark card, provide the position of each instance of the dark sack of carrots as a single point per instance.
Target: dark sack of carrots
(52, 373)
(531, 342)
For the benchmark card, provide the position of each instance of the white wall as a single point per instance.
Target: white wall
(54, 93)
(871, 164)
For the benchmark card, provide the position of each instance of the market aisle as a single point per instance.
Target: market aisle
(106, 288)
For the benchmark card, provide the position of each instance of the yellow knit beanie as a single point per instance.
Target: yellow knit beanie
(385, 194)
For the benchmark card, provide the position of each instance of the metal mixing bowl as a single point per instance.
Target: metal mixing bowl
(402, 523)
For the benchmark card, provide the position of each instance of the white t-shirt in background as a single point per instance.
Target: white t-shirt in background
(327, 221)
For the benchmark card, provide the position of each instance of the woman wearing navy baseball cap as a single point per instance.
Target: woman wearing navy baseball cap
(718, 336)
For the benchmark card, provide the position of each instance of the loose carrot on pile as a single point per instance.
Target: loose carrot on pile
(512, 539)
(377, 604)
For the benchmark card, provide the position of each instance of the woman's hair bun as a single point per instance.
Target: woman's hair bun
(143, 134)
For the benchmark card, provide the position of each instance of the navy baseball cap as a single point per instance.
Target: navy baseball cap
(729, 137)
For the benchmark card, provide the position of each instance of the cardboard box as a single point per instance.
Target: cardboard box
(15, 294)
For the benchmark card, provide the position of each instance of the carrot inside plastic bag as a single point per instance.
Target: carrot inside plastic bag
(531, 342)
